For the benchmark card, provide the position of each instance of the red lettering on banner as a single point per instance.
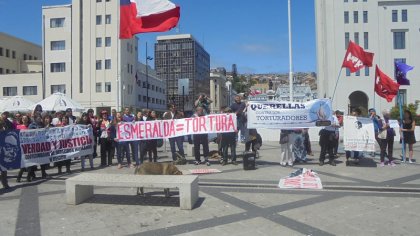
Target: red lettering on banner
(224, 126)
(230, 124)
(134, 131)
(25, 148)
(156, 130)
(83, 140)
(211, 118)
(148, 130)
(172, 128)
(202, 121)
(188, 120)
(165, 128)
(141, 130)
(195, 124)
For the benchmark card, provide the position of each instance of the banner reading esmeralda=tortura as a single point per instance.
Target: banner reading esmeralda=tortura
(19, 149)
(284, 115)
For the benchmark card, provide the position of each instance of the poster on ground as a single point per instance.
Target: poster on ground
(19, 149)
(301, 179)
(292, 115)
(359, 134)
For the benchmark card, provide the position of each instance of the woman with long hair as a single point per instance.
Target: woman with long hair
(407, 131)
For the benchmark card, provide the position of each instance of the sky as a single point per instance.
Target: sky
(252, 34)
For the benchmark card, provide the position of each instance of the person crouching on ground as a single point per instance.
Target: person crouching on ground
(228, 140)
(200, 139)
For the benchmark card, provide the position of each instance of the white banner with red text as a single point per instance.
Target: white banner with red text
(25, 148)
(160, 129)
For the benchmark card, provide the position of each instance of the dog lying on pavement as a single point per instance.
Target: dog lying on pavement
(153, 168)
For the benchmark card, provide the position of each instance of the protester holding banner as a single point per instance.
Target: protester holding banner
(8, 147)
(407, 130)
(327, 142)
(386, 137)
(37, 123)
(93, 120)
(177, 157)
(23, 126)
(238, 107)
(299, 149)
(356, 112)
(153, 143)
(201, 139)
(228, 140)
(134, 145)
(107, 134)
(377, 125)
(84, 120)
(144, 144)
(286, 147)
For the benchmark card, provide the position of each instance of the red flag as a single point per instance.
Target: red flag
(356, 58)
(143, 16)
(384, 86)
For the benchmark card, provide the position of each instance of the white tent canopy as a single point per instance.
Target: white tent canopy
(16, 104)
(59, 102)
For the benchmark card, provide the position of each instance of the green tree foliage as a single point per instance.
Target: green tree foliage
(240, 84)
(412, 107)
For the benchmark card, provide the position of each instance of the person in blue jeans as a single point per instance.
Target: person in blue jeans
(177, 157)
(238, 108)
(128, 117)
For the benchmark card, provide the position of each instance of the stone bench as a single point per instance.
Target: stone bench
(80, 188)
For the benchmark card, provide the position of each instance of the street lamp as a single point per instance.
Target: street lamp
(147, 77)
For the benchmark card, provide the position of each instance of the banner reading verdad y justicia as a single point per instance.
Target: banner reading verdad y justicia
(158, 129)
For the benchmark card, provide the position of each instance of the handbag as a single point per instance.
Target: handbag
(382, 134)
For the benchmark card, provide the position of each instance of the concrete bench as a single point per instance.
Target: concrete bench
(80, 188)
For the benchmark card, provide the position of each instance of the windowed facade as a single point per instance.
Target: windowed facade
(365, 17)
(57, 22)
(107, 87)
(394, 16)
(59, 88)
(404, 16)
(367, 72)
(98, 64)
(356, 37)
(107, 41)
(58, 67)
(30, 90)
(14, 54)
(9, 91)
(99, 87)
(107, 64)
(98, 42)
(346, 17)
(346, 40)
(58, 45)
(1, 51)
(366, 40)
(107, 19)
(98, 20)
(399, 40)
(356, 17)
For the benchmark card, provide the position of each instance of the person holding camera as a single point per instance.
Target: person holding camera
(204, 102)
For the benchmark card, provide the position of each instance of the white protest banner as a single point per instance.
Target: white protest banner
(359, 134)
(278, 115)
(301, 179)
(158, 129)
(26, 148)
(394, 124)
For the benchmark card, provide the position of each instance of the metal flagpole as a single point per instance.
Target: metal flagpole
(336, 83)
(401, 125)
(118, 62)
(290, 55)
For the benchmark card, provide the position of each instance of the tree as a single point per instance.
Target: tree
(412, 107)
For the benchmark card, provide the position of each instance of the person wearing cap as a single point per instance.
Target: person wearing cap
(69, 114)
(107, 133)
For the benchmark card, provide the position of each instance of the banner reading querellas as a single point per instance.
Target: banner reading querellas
(359, 134)
(279, 115)
(159, 129)
(19, 149)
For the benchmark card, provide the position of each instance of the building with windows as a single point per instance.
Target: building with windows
(182, 57)
(157, 89)
(20, 68)
(388, 28)
(219, 92)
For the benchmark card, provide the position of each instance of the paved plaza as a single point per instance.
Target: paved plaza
(356, 200)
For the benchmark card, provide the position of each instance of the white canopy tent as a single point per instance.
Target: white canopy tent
(59, 102)
(16, 104)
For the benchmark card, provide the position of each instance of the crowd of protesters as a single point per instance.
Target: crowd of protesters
(295, 144)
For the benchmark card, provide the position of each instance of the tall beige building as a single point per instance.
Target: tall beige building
(389, 28)
(85, 58)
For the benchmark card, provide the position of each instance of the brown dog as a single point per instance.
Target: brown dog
(153, 168)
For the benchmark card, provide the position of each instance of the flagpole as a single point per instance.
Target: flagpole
(290, 54)
(336, 83)
(401, 125)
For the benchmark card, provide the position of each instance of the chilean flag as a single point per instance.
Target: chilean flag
(143, 16)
